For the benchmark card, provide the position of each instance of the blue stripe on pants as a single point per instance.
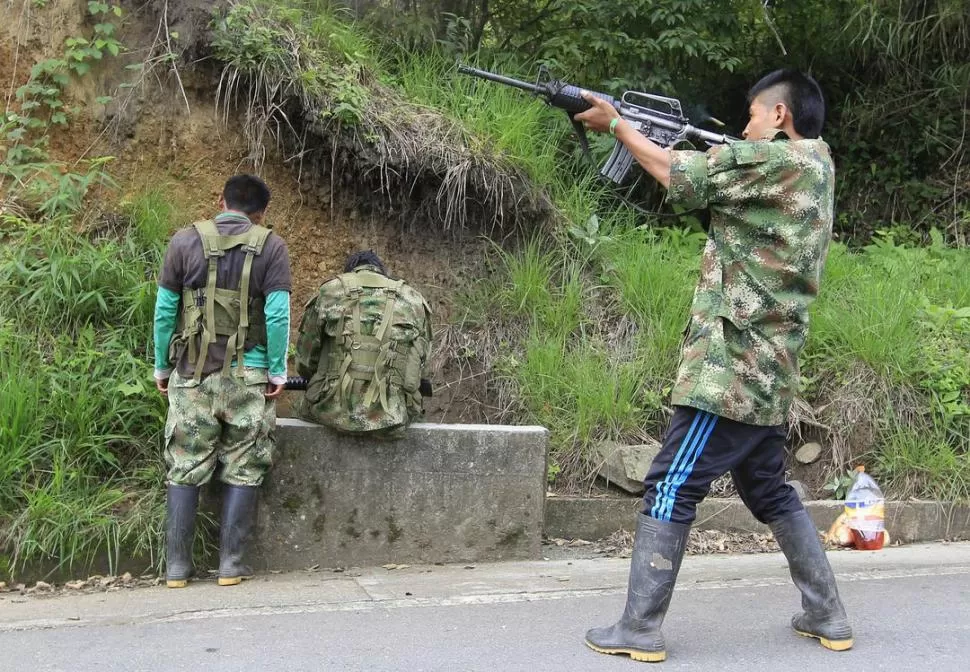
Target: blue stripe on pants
(687, 468)
(663, 486)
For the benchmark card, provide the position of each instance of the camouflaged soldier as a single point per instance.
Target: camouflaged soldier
(771, 206)
(364, 346)
(222, 321)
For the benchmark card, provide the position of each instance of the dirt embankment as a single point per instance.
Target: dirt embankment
(166, 131)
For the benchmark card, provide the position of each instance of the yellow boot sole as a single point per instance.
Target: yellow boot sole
(831, 644)
(641, 656)
(232, 580)
(177, 583)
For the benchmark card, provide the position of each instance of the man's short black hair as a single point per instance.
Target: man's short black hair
(246, 193)
(364, 258)
(801, 94)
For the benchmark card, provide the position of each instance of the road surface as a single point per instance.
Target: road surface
(910, 607)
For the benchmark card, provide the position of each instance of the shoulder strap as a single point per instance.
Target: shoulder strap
(375, 280)
(255, 240)
(208, 233)
(216, 244)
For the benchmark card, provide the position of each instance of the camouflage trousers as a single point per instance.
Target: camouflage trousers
(223, 417)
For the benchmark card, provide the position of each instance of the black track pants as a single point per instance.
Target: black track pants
(698, 448)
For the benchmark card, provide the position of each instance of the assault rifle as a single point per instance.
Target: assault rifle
(300, 383)
(657, 117)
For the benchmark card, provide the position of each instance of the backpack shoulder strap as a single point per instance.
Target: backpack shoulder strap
(209, 234)
(255, 239)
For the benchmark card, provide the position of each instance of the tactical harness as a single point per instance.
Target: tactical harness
(375, 358)
(211, 311)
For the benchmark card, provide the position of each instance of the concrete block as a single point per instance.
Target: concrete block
(907, 522)
(443, 493)
(626, 466)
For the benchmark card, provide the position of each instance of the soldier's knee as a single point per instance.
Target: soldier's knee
(782, 502)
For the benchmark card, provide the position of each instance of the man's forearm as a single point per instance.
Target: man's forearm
(166, 315)
(654, 159)
(277, 314)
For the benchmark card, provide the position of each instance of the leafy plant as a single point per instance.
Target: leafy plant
(27, 173)
(839, 484)
(590, 234)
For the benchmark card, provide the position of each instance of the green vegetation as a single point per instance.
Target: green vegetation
(585, 316)
(79, 416)
(895, 74)
(885, 373)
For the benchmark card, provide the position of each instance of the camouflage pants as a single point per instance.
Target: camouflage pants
(224, 418)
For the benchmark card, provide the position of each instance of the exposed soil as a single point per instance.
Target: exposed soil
(189, 150)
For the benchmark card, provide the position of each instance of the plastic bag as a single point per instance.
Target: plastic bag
(865, 512)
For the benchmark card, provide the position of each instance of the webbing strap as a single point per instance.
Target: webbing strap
(210, 317)
(388, 353)
(237, 343)
(343, 380)
(368, 356)
(387, 316)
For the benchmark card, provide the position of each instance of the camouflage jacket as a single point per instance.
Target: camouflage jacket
(771, 205)
(366, 382)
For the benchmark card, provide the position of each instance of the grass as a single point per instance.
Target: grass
(397, 130)
(924, 462)
(79, 418)
(498, 120)
(596, 335)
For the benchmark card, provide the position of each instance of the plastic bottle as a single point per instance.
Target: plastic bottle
(865, 509)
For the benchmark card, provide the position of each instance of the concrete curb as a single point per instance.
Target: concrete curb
(908, 522)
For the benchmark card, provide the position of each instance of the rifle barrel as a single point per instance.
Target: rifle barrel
(501, 79)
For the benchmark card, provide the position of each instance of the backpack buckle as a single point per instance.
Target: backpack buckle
(199, 298)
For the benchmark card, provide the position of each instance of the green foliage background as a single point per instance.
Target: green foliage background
(585, 320)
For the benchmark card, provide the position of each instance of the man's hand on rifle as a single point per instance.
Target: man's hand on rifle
(654, 159)
(599, 116)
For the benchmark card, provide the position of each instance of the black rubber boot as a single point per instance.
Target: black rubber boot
(238, 518)
(824, 616)
(183, 500)
(657, 553)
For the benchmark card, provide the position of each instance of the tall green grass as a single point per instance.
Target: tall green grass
(900, 313)
(504, 120)
(80, 468)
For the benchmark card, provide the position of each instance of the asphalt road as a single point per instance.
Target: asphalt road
(910, 608)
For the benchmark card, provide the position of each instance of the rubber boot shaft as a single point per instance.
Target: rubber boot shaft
(824, 615)
(238, 519)
(182, 503)
(657, 553)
